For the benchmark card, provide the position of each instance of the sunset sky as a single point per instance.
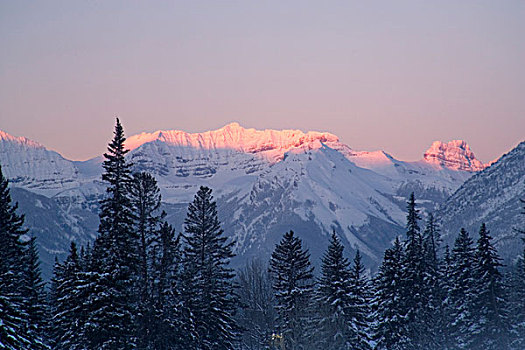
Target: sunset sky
(391, 75)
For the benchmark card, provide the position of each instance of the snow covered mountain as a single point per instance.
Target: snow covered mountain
(30, 165)
(266, 182)
(453, 155)
(491, 196)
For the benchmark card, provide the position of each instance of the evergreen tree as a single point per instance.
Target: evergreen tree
(390, 327)
(172, 325)
(208, 281)
(433, 293)
(413, 231)
(293, 286)
(491, 328)
(35, 297)
(52, 329)
(67, 308)
(114, 257)
(431, 241)
(415, 298)
(145, 201)
(13, 316)
(462, 290)
(360, 311)
(445, 318)
(334, 299)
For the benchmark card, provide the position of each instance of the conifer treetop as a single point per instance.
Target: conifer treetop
(413, 217)
(117, 169)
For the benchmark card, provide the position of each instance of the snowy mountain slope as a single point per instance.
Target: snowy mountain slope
(203, 155)
(434, 178)
(266, 182)
(315, 192)
(491, 196)
(30, 165)
(293, 177)
(54, 226)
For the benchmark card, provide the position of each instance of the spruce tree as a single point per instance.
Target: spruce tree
(431, 240)
(462, 290)
(413, 231)
(114, 257)
(490, 319)
(390, 331)
(52, 329)
(415, 294)
(67, 307)
(13, 316)
(35, 297)
(446, 308)
(334, 299)
(293, 286)
(172, 324)
(145, 202)
(208, 281)
(433, 293)
(360, 311)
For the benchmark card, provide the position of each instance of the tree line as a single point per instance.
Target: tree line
(141, 285)
(419, 298)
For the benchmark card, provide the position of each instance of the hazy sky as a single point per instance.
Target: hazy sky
(392, 75)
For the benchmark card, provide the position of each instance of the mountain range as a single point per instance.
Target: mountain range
(267, 182)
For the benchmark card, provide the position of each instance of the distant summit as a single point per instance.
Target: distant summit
(18, 141)
(269, 144)
(455, 155)
(273, 144)
(27, 163)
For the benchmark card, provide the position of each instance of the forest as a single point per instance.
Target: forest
(142, 285)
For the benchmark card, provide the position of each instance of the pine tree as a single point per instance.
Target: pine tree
(35, 297)
(333, 299)
(462, 290)
(145, 202)
(293, 286)
(13, 316)
(491, 328)
(390, 331)
(360, 311)
(114, 258)
(209, 290)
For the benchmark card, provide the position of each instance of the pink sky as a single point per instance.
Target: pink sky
(382, 75)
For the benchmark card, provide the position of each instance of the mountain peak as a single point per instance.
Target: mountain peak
(4, 136)
(272, 143)
(455, 154)
(232, 125)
